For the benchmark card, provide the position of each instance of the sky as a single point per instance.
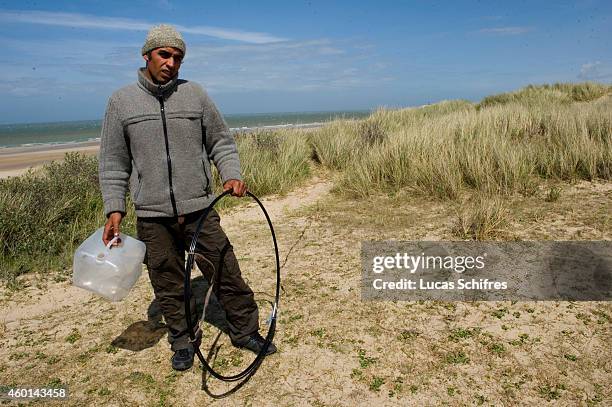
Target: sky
(65, 58)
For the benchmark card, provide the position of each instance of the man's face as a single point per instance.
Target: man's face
(163, 64)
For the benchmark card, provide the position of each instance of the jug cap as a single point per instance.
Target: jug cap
(113, 240)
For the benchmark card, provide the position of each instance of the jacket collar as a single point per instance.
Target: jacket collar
(156, 90)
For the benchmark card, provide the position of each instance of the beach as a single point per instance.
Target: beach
(32, 145)
(15, 161)
(18, 160)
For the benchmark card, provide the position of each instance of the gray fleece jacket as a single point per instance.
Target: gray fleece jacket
(161, 138)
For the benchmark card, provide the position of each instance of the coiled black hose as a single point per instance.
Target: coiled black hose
(249, 370)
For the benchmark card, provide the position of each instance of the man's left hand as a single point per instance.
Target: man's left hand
(238, 187)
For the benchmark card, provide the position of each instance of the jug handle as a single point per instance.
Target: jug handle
(113, 240)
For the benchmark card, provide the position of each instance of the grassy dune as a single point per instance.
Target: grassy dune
(518, 166)
(506, 144)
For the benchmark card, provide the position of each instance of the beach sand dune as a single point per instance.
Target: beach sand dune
(15, 161)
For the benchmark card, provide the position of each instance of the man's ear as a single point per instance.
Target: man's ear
(146, 57)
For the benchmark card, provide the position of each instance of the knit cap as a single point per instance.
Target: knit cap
(163, 35)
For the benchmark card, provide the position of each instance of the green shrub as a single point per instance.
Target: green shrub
(45, 215)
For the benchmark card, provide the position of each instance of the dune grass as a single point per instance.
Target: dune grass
(559, 93)
(45, 215)
(273, 162)
(505, 144)
(508, 143)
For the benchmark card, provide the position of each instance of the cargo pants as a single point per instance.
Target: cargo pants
(167, 240)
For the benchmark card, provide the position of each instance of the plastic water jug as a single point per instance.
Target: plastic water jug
(110, 271)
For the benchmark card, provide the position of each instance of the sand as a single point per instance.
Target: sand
(334, 348)
(15, 161)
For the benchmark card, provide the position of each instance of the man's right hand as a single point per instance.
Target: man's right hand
(111, 228)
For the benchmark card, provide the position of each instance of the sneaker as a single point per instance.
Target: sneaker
(255, 343)
(182, 359)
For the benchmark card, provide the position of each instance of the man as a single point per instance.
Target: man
(160, 134)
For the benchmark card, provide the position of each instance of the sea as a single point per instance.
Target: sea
(40, 134)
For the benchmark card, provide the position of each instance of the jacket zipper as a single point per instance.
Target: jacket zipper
(139, 186)
(169, 161)
(203, 163)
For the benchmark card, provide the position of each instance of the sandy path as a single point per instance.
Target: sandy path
(277, 207)
(35, 302)
(56, 310)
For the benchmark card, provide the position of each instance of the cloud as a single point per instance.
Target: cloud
(506, 30)
(287, 48)
(228, 34)
(254, 62)
(127, 24)
(594, 70)
(491, 18)
(29, 86)
(82, 65)
(164, 5)
(287, 66)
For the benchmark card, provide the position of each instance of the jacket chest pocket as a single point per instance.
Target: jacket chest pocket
(191, 169)
(185, 124)
(188, 136)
